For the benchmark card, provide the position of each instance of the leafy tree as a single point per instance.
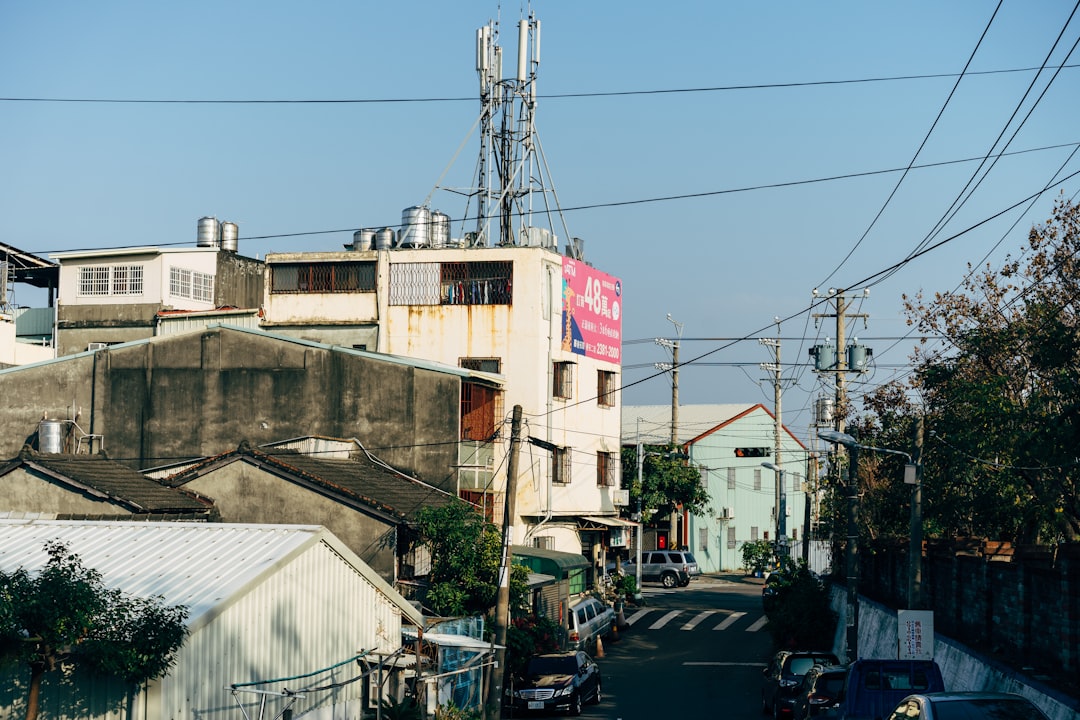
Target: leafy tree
(528, 636)
(801, 616)
(466, 551)
(667, 483)
(1001, 406)
(66, 614)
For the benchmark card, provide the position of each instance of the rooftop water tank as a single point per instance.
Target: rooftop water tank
(363, 239)
(440, 229)
(385, 238)
(51, 436)
(230, 236)
(415, 227)
(209, 232)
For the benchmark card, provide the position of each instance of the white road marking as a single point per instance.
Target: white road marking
(664, 620)
(759, 624)
(637, 616)
(729, 620)
(700, 617)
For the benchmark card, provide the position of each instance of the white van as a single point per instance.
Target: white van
(589, 619)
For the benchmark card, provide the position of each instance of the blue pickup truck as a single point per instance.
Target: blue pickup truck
(875, 686)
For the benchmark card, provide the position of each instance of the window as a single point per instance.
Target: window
(192, 284)
(757, 479)
(607, 469)
(476, 283)
(605, 388)
(319, 278)
(731, 478)
(563, 383)
(704, 472)
(490, 365)
(111, 280)
(479, 410)
(753, 533)
(560, 466)
(703, 538)
(731, 538)
(796, 482)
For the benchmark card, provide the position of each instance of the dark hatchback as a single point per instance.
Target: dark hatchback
(556, 682)
(783, 676)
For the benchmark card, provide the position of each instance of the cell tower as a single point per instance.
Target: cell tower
(511, 168)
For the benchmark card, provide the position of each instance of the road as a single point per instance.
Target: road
(691, 652)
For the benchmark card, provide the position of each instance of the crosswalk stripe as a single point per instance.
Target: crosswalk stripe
(730, 619)
(759, 624)
(637, 616)
(664, 620)
(700, 617)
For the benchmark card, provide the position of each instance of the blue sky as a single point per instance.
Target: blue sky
(759, 110)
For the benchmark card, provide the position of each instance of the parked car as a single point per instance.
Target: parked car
(556, 682)
(875, 686)
(963, 705)
(783, 675)
(819, 694)
(587, 620)
(672, 568)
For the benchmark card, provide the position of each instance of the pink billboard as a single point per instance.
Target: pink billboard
(592, 312)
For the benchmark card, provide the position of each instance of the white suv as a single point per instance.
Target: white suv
(671, 568)
(587, 620)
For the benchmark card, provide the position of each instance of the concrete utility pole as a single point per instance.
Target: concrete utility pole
(502, 603)
(779, 506)
(673, 345)
(915, 531)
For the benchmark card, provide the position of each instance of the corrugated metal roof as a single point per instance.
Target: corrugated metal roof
(200, 565)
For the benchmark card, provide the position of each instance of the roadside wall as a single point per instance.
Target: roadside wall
(961, 667)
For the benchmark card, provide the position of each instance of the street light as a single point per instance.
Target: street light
(911, 476)
(781, 504)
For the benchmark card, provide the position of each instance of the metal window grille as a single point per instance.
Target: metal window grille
(491, 365)
(480, 410)
(202, 286)
(180, 282)
(322, 278)
(94, 280)
(127, 280)
(754, 533)
(560, 466)
(731, 478)
(476, 283)
(796, 481)
(703, 538)
(605, 388)
(414, 284)
(757, 479)
(607, 469)
(563, 383)
(704, 477)
(731, 538)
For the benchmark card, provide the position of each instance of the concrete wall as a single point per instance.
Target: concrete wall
(200, 394)
(243, 493)
(961, 667)
(32, 492)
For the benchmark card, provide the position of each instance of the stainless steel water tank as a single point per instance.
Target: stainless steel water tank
(51, 436)
(209, 232)
(385, 238)
(415, 227)
(363, 239)
(440, 229)
(230, 236)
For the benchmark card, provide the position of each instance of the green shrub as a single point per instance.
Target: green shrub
(757, 555)
(802, 617)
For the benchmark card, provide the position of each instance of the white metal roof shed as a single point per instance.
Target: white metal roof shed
(266, 602)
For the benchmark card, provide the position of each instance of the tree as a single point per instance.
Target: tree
(1001, 406)
(66, 614)
(466, 552)
(667, 483)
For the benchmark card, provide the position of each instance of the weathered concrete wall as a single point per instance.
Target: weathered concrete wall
(27, 492)
(961, 667)
(243, 493)
(199, 394)
(79, 325)
(239, 281)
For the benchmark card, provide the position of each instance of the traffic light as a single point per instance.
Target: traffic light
(746, 452)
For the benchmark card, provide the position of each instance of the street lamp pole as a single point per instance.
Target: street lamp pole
(640, 519)
(781, 504)
(851, 550)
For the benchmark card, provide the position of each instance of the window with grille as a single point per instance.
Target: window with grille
(753, 533)
(476, 283)
(563, 382)
(757, 479)
(560, 466)
(192, 284)
(490, 365)
(731, 478)
(319, 278)
(607, 469)
(703, 538)
(704, 477)
(111, 280)
(796, 482)
(731, 538)
(605, 388)
(479, 411)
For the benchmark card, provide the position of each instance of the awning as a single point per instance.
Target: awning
(588, 522)
(459, 641)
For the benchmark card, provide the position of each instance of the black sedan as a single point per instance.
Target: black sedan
(556, 682)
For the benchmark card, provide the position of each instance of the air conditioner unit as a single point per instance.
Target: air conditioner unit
(726, 514)
(620, 497)
(97, 345)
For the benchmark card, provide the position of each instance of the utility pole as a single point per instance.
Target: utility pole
(915, 531)
(780, 507)
(502, 602)
(673, 345)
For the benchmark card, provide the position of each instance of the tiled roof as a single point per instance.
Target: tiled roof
(108, 479)
(364, 479)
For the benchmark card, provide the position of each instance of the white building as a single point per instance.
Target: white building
(271, 607)
(548, 324)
